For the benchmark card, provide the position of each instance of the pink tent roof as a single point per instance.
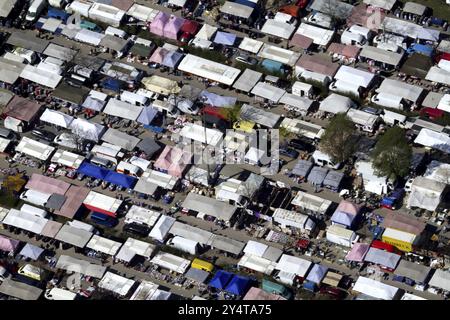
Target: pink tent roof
(51, 228)
(173, 160)
(361, 15)
(22, 109)
(7, 244)
(172, 27)
(348, 207)
(75, 197)
(45, 184)
(403, 223)
(358, 252)
(301, 41)
(344, 50)
(157, 25)
(259, 294)
(318, 64)
(158, 55)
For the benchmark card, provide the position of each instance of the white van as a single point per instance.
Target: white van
(35, 9)
(35, 197)
(166, 107)
(320, 19)
(393, 118)
(322, 159)
(115, 32)
(363, 31)
(232, 198)
(128, 168)
(388, 100)
(134, 98)
(29, 56)
(34, 211)
(59, 294)
(354, 39)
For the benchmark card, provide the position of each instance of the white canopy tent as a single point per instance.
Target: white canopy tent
(40, 76)
(209, 69)
(90, 37)
(72, 264)
(35, 149)
(142, 13)
(74, 236)
(355, 76)
(425, 194)
(25, 221)
(236, 9)
(56, 118)
(256, 263)
(250, 45)
(294, 265)
(142, 215)
(104, 245)
(441, 279)
(289, 218)
(336, 103)
(268, 91)
(115, 283)
(375, 288)
(171, 262)
(122, 109)
(410, 29)
(439, 75)
(161, 228)
(86, 129)
(400, 89)
(279, 54)
(67, 159)
(433, 139)
(133, 247)
(200, 134)
(320, 36)
(278, 28)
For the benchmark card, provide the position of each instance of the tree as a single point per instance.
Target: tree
(392, 154)
(233, 113)
(337, 138)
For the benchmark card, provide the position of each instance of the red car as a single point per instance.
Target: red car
(302, 3)
(335, 292)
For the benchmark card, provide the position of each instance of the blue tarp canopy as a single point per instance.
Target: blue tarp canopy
(246, 3)
(31, 251)
(302, 168)
(239, 285)
(317, 274)
(120, 179)
(171, 59)
(225, 38)
(147, 115)
(91, 170)
(217, 100)
(58, 14)
(271, 65)
(220, 279)
(333, 179)
(422, 49)
(112, 84)
(317, 176)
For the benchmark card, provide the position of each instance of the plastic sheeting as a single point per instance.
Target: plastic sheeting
(302, 168)
(381, 257)
(358, 252)
(317, 273)
(239, 285)
(216, 100)
(220, 279)
(31, 251)
(317, 175)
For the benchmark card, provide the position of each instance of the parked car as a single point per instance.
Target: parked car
(300, 145)
(246, 60)
(289, 152)
(43, 134)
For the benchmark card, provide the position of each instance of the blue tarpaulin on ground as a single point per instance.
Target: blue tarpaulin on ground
(112, 84)
(220, 279)
(239, 285)
(216, 100)
(271, 65)
(92, 171)
(225, 38)
(147, 115)
(120, 179)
